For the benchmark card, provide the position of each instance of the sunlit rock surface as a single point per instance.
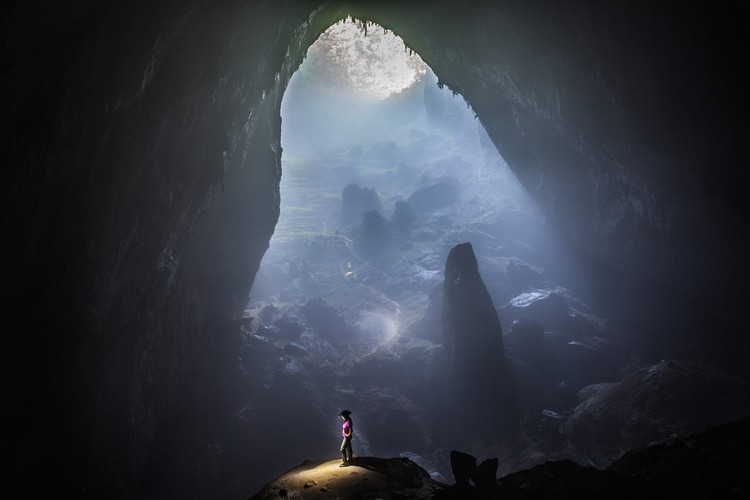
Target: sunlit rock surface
(368, 477)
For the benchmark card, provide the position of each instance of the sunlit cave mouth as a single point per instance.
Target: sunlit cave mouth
(221, 233)
(412, 280)
(364, 57)
(392, 196)
(383, 173)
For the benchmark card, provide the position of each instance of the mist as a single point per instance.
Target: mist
(516, 238)
(351, 299)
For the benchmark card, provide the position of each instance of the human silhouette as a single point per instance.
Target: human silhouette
(347, 431)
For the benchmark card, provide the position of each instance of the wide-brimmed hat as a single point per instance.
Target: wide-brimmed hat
(345, 413)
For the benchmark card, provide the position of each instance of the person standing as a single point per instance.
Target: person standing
(347, 431)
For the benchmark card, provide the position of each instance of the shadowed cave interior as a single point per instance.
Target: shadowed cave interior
(535, 252)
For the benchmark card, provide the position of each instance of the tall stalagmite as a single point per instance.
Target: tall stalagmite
(472, 335)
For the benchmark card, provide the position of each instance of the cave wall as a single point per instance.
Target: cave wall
(143, 158)
(622, 120)
(140, 196)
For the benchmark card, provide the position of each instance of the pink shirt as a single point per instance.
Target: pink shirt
(345, 428)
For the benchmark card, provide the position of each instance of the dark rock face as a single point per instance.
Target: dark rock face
(473, 340)
(562, 479)
(394, 423)
(469, 315)
(671, 397)
(143, 160)
(709, 464)
(484, 476)
(462, 466)
(530, 330)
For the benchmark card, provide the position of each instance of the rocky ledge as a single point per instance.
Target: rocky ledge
(366, 477)
(710, 464)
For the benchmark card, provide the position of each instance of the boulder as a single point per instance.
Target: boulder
(269, 313)
(485, 474)
(325, 320)
(462, 467)
(287, 329)
(442, 193)
(543, 305)
(391, 420)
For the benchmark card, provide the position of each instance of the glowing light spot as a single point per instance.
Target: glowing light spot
(368, 58)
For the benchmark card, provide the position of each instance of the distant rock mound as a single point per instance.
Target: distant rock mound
(373, 239)
(403, 217)
(356, 200)
(326, 321)
(442, 193)
(543, 305)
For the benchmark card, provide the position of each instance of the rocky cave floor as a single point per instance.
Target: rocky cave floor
(709, 464)
(346, 312)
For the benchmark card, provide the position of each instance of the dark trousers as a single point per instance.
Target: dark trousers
(346, 450)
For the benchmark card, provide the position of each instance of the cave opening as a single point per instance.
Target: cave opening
(346, 308)
(384, 171)
(143, 191)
